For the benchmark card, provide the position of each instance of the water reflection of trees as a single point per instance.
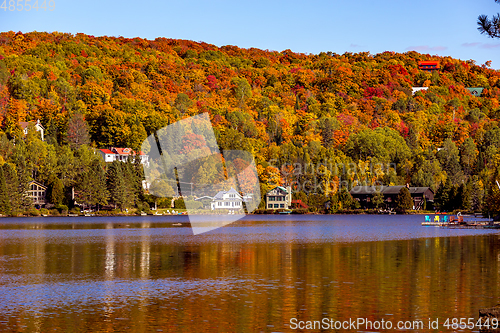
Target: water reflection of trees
(247, 286)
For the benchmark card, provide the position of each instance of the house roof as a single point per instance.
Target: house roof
(428, 63)
(475, 91)
(367, 189)
(283, 189)
(25, 124)
(123, 151)
(120, 151)
(220, 194)
(106, 151)
(37, 183)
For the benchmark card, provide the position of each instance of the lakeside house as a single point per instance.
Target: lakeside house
(122, 154)
(364, 194)
(38, 193)
(230, 201)
(279, 198)
(38, 127)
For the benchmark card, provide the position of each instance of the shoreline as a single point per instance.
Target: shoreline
(183, 213)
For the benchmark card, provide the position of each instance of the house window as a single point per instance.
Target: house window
(276, 205)
(270, 206)
(282, 205)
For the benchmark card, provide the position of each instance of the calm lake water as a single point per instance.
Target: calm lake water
(145, 274)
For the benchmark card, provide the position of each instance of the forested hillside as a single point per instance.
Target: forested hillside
(291, 110)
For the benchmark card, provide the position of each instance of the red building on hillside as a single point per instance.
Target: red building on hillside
(428, 65)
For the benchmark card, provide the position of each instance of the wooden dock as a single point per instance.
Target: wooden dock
(471, 226)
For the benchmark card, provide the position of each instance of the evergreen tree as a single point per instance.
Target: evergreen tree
(91, 188)
(477, 193)
(404, 202)
(450, 161)
(5, 207)
(101, 193)
(346, 199)
(15, 190)
(138, 169)
(443, 194)
(334, 203)
(464, 197)
(377, 199)
(83, 190)
(78, 131)
(56, 192)
(118, 183)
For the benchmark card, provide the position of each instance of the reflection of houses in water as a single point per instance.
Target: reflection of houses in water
(136, 265)
(364, 194)
(110, 257)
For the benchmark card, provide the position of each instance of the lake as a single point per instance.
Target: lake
(265, 273)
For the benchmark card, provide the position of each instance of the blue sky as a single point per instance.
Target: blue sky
(443, 27)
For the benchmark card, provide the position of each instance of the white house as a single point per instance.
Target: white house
(279, 198)
(38, 126)
(227, 200)
(122, 154)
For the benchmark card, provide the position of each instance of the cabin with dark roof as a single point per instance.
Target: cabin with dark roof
(364, 194)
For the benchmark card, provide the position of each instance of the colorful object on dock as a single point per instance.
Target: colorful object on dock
(435, 222)
(458, 222)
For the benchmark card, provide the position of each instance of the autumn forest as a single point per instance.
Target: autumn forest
(351, 118)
